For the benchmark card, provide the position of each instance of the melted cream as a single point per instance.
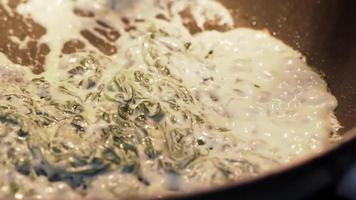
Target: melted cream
(276, 110)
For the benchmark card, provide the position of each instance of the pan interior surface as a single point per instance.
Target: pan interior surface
(120, 81)
(321, 30)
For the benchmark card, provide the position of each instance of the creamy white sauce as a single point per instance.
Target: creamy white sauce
(276, 109)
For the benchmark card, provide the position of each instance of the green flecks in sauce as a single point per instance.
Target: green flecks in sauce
(169, 112)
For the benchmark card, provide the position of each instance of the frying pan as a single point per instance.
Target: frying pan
(325, 32)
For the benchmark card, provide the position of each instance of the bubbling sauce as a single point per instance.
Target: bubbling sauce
(150, 99)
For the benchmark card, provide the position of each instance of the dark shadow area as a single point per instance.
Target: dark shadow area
(341, 64)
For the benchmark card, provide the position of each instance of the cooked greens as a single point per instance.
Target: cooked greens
(111, 125)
